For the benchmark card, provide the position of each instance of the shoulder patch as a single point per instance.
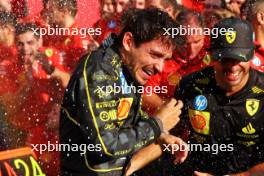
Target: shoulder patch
(252, 106)
(49, 52)
(200, 103)
(200, 121)
(207, 59)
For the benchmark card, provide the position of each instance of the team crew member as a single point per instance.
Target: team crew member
(42, 18)
(169, 6)
(45, 81)
(7, 52)
(109, 22)
(223, 105)
(139, 4)
(72, 44)
(223, 112)
(255, 15)
(95, 112)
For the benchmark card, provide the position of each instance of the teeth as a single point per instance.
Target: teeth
(232, 74)
(235, 74)
(148, 72)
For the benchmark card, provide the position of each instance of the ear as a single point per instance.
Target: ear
(260, 18)
(128, 41)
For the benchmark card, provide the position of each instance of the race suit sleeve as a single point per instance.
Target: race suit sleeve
(105, 116)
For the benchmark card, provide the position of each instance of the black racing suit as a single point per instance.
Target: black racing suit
(229, 130)
(102, 109)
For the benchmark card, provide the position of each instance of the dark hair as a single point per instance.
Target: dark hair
(25, 27)
(7, 18)
(70, 5)
(186, 15)
(147, 25)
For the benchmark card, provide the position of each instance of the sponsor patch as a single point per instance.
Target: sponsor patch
(249, 129)
(124, 108)
(252, 106)
(200, 121)
(200, 103)
(231, 36)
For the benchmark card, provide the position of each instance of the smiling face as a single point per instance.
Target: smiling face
(27, 46)
(231, 75)
(145, 60)
(107, 9)
(139, 4)
(121, 6)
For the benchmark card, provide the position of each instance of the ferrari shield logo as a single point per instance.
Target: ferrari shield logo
(230, 36)
(252, 106)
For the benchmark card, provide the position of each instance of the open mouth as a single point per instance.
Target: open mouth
(232, 76)
(148, 72)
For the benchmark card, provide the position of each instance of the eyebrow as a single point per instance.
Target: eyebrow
(157, 53)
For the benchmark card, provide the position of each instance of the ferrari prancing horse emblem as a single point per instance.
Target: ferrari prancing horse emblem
(252, 106)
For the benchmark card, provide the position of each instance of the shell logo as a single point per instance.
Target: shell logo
(198, 122)
(124, 108)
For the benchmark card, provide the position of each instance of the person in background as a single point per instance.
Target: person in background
(73, 44)
(255, 15)
(42, 18)
(121, 6)
(139, 4)
(108, 23)
(235, 6)
(46, 79)
(8, 54)
(169, 6)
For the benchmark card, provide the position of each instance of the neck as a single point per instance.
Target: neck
(259, 34)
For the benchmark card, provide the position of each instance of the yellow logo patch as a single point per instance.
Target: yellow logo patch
(230, 36)
(49, 52)
(200, 121)
(252, 106)
(124, 108)
(207, 59)
(248, 129)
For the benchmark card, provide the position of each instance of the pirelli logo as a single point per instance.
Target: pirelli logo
(257, 90)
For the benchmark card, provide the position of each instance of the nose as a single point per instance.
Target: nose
(119, 8)
(159, 65)
(25, 48)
